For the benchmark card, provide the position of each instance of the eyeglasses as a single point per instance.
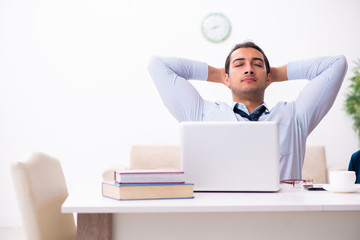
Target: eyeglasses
(297, 183)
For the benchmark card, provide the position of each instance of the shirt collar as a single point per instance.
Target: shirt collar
(242, 107)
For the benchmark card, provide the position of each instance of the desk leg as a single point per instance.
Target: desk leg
(94, 226)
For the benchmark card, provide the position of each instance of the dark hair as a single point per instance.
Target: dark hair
(247, 44)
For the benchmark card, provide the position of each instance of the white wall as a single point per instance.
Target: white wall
(74, 81)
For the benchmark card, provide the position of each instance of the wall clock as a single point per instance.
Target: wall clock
(216, 27)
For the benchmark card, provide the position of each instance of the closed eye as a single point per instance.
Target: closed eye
(258, 62)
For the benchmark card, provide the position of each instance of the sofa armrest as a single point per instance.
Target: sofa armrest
(108, 174)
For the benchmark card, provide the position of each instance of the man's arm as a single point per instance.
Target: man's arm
(278, 74)
(171, 76)
(216, 75)
(315, 100)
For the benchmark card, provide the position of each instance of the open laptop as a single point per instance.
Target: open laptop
(231, 156)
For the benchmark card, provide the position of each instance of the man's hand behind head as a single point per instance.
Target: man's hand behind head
(216, 75)
(278, 74)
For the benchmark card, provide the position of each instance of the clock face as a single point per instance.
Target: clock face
(216, 27)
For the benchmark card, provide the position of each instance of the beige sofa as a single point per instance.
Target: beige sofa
(168, 157)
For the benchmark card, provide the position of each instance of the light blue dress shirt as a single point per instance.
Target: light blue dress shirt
(296, 119)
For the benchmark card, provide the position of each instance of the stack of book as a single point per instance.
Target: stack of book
(147, 184)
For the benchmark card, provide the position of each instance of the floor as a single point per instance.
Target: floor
(11, 233)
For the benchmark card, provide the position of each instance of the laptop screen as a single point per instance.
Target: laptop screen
(230, 156)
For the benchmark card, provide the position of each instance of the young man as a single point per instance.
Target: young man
(248, 73)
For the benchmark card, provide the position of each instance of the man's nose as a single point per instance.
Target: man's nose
(249, 70)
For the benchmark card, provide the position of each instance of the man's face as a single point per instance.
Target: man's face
(247, 76)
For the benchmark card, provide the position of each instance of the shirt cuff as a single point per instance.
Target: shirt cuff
(200, 70)
(294, 70)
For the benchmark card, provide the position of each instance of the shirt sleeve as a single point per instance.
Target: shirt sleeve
(171, 76)
(315, 100)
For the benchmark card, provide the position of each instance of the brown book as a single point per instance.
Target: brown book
(147, 191)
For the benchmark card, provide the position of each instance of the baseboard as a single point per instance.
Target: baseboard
(10, 221)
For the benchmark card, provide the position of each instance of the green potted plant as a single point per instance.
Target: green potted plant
(352, 103)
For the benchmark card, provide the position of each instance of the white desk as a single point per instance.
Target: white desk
(290, 213)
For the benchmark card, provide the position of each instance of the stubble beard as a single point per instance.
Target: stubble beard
(252, 94)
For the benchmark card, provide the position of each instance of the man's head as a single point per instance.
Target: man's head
(246, 45)
(247, 73)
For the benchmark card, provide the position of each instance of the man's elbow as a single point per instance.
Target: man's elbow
(342, 63)
(153, 62)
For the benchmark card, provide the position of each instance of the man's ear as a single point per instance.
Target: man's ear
(227, 80)
(268, 81)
